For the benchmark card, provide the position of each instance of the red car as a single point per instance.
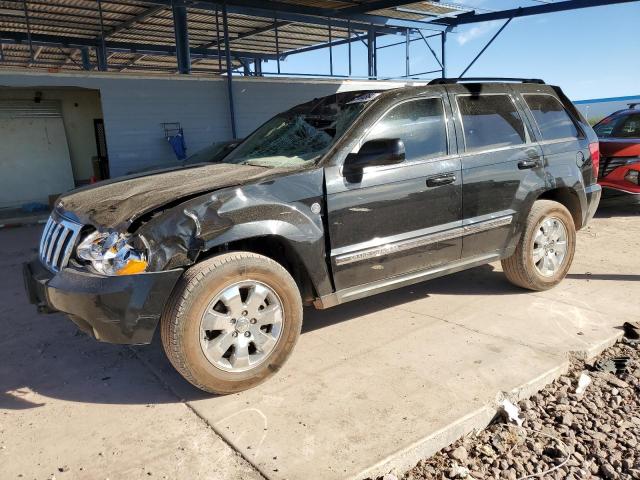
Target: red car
(619, 135)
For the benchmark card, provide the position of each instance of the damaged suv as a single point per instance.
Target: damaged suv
(336, 199)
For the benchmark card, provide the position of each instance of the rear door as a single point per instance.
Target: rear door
(502, 166)
(563, 142)
(395, 219)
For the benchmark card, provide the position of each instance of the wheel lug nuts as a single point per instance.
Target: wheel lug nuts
(233, 320)
(244, 313)
(234, 334)
(247, 334)
(253, 320)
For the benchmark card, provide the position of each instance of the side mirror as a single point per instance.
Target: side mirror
(385, 151)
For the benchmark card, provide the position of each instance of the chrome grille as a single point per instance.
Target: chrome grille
(57, 242)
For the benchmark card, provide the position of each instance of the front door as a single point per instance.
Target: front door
(395, 219)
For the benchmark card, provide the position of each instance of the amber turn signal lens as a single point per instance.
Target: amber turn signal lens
(132, 267)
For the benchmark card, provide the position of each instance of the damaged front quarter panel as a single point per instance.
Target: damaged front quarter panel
(280, 208)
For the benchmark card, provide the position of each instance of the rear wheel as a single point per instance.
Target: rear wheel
(545, 251)
(232, 322)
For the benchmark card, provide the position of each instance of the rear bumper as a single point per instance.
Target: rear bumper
(593, 194)
(122, 309)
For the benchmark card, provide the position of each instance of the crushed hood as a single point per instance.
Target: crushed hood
(117, 203)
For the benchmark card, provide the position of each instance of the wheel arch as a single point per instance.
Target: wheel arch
(569, 198)
(278, 249)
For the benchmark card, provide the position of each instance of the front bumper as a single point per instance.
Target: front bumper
(122, 309)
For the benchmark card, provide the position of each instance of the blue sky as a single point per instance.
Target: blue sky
(590, 53)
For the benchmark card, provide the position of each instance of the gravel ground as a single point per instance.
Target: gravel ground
(564, 435)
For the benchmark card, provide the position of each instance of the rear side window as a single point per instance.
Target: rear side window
(551, 117)
(420, 124)
(490, 121)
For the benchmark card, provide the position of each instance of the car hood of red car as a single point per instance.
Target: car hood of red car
(620, 147)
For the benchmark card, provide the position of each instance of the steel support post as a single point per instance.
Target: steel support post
(349, 44)
(86, 59)
(101, 49)
(406, 54)
(257, 67)
(371, 53)
(232, 110)
(275, 32)
(181, 30)
(330, 48)
(443, 54)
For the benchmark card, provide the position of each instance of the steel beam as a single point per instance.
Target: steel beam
(141, 17)
(486, 46)
(249, 34)
(181, 30)
(562, 6)
(152, 49)
(300, 14)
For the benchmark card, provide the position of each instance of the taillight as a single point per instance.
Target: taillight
(594, 150)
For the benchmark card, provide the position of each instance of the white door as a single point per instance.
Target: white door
(34, 154)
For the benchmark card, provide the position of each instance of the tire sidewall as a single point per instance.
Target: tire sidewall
(203, 371)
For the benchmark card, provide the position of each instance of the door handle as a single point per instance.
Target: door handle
(443, 180)
(525, 164)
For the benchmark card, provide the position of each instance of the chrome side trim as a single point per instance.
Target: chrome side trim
(487, 225)
(395, 247)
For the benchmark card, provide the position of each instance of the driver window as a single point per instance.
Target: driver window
(420, 124)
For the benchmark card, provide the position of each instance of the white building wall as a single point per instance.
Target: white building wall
(134, 106)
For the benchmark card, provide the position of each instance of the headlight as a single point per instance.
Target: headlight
(113, 253)
(633, 176)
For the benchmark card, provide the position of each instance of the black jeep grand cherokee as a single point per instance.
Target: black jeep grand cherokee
(336, 199)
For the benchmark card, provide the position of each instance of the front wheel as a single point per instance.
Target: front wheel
(545, 251)
(232, 322)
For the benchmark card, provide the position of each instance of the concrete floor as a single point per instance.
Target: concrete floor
(372, 386)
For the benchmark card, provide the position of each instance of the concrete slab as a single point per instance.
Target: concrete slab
(372, 386)
(74, 408)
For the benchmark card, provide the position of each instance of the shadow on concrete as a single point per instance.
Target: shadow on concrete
(618, 206)
(482, 280)
(604, 276)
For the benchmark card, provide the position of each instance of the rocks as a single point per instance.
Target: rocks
(460, 454)
(565, 435)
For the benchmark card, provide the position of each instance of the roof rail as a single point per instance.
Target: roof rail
(446, 81)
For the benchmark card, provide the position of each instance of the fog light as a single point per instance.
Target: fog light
(633, 176)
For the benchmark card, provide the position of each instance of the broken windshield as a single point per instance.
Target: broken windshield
(302, 134)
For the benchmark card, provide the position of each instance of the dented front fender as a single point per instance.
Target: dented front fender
(289, 207)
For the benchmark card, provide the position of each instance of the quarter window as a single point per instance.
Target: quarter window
(420, 124)
(552, 118)
(490, 121)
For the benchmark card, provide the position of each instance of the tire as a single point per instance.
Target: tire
(194, 341)
(521, 268)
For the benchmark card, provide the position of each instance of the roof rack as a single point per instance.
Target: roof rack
(446, 81)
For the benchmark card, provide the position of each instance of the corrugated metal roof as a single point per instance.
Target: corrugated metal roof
(139, 23)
